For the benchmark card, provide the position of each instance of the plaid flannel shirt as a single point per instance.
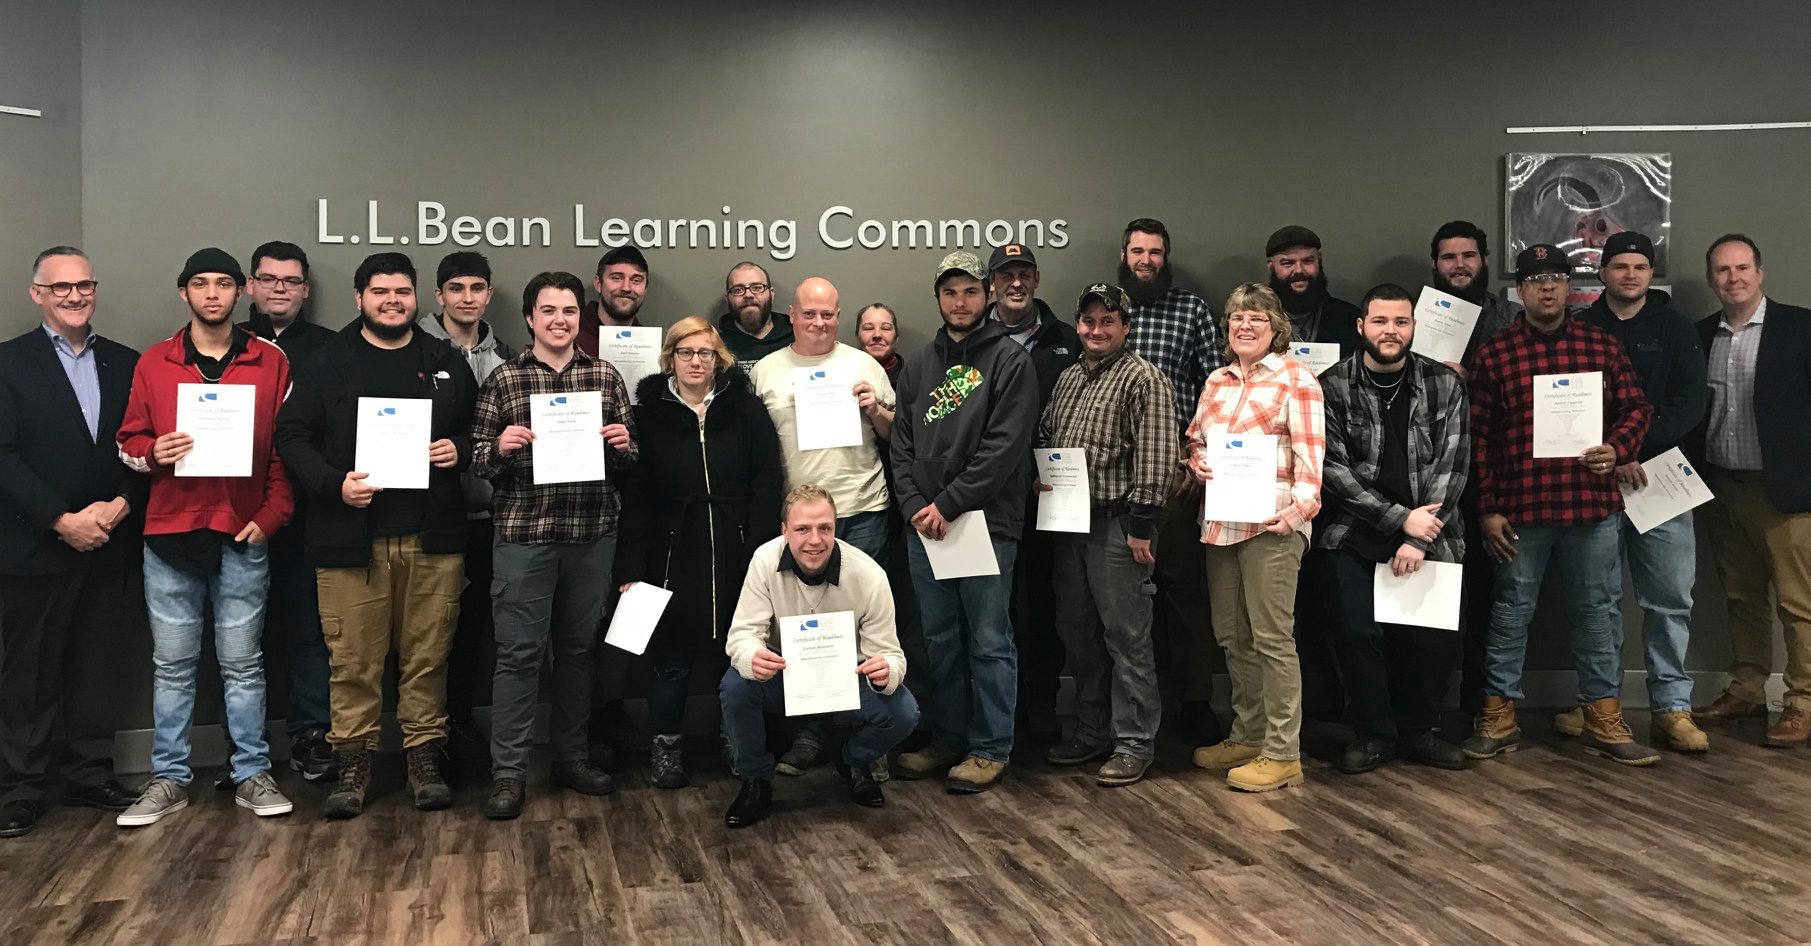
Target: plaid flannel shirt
(1179, 335)
(1555, 491)
(1283, 398)
(527, 514)
(1118, 413)
(1439, 454)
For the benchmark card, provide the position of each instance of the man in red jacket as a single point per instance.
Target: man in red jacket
(199, 423)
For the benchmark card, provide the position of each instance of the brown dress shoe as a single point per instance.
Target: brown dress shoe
(1728, 706)
(1791, 731)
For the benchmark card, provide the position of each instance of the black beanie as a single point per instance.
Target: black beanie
(210, 260)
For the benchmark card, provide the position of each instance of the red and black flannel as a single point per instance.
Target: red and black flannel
(1554, 491)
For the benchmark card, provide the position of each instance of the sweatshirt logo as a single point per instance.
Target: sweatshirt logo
(960, 382)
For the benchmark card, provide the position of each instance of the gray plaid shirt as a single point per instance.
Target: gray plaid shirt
(1439, 454)
(1179, 335)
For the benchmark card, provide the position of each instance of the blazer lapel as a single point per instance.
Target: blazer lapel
(50, 366)
(116, 389)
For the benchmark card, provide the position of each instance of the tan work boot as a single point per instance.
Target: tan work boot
(1264, 774)
(1791, 731)
(1571, 722)
(929, 762)
(1494, 731)
(1680, 734)
(1225, 755)
(1607, 735)
(975, 775)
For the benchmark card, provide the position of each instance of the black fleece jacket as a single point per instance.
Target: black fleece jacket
(1663, 345)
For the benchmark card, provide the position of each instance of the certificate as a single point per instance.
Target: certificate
(567, 447)
(634, 351)
(219, 417)
(1568, 413)
(1244, 487)
(821, 659)
(1066, 507)
(1443, 324)
(1318, 356)
(824, 409)
(1674, 488)
(392, 448)
(965, 551)
(637, 612)
(1426, 597)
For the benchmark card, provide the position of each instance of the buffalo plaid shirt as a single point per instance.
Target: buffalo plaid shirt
(1556, 491)
(1118, 413)
(1179, 335)
(527, 514)
(1281, 397)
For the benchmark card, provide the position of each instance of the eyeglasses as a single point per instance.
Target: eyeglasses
(267, 280)
(1546, 278)
(751, 289)
(62, 289)
(1248, 320)
(695, 354)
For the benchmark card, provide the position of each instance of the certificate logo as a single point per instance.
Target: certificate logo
(1234, 444)
(1302, 350)
(1563, 383)
(1685, 470)
(556, 400)
(1056, 456)
(385, 410)
(625, 333)
(1443, 303)
(809, 624)
(208, 396)
(818, 375)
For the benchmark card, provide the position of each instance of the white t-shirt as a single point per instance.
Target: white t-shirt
(851, 475)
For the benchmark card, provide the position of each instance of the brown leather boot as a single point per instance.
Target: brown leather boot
(1607, 735)
(1726, 707)
(1495, 732)
(1791, 731)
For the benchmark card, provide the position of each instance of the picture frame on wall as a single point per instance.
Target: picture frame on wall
(1578, 201)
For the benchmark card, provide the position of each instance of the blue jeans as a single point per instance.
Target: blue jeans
(972, 671)
(866, 531)
(1664, 564)
(1589, 560)
(881, 722)
(175, 600)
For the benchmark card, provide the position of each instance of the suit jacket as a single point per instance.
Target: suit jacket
(1782, 389)
(49, 465)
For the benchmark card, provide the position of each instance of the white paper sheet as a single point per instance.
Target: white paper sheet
(1318, 356)
(220, 418)
(1568, 413)
(637, 612)
(825, 409)
(821, 658)
(1244, 486)
(633, 350)
(965, 551)
(1067, 507)
(567, 447)
(1428, 597)
(1443, 324)
(1674, 488)
(393, 438)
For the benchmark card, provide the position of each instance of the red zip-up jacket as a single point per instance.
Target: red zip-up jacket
(220, 503)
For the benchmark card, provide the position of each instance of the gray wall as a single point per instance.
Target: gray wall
(40, 158)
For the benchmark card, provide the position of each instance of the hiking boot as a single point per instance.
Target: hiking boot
(799, 758)
(1121, 769)
(752, 804)
(348, 798)
(931, 761)
(666, 762)
(881, 770)
(1727, 707)
(426, 783)
(1076, 752)
(1494, 731)
(161, 797)
(864, 790)
(260, 795)
(583, 776)
(311, 757)
(1679, 733)
(1365, 755)
(1225, 755)
(504, 803)
(1571, 722)
(1607, 735)
(1431, 750)
(1264, 774)
(975, 775)
(1791, 731)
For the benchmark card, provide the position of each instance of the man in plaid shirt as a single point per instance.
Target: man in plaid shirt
(1115, 407)
(556, 544)
(1563, 509)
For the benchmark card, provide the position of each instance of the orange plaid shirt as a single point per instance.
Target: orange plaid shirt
(1281, 397)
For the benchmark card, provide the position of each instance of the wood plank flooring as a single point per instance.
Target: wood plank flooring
(1547, 846)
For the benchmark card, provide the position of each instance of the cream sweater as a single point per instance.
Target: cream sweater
(769, 594)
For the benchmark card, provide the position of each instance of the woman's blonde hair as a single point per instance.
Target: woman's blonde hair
(1257, 297)
(686, 328)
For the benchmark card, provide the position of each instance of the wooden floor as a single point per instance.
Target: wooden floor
(1548, 846)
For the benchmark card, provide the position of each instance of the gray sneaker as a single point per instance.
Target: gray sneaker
(161, 796)
(259, 793)
(881, 771)
(800, 758)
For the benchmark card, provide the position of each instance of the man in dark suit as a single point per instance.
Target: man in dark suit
(69, 544)
(1755, 451)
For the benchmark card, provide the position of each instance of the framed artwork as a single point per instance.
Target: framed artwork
(1577, 201)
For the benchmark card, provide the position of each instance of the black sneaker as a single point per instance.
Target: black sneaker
(1365, 755)
(752, 804)
(666, 762)
(311, 757)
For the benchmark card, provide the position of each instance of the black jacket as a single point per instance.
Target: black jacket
(697, 504)
(48, 463)
(302, 339)
(1053, 348)
(749, 349)
(1782, 403)
(968, 411)
(317, 437)
(1335, 321)
(1664, 348)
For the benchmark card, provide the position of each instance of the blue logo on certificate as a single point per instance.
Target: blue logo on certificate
(556, 399)
(209, 396)
(385, 410)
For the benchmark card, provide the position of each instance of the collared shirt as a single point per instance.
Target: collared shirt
(832, 573)
(523, 512)
(1733, 441)
(1179, 335)
(83, 374)
(1280, 397)
(213, 369)
(1118, 414)
(1026, 332)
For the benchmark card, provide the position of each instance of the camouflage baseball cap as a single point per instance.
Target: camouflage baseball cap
(1107, 294)
(961, 261)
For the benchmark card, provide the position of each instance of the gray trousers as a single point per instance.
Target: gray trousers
(545, 595)
(1103, 615)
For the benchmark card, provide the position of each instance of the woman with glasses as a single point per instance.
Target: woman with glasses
(705, 493)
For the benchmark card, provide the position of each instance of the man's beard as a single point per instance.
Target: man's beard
(1304, 302)
(1473, 293)
(1377, 354)
(1144, 292)
(610, 304)
(766, 316)
(388, 333)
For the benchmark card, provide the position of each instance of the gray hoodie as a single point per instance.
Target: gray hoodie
(483, 359)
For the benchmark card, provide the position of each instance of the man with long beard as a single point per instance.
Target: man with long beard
(1461, 255)
(1293, 255)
